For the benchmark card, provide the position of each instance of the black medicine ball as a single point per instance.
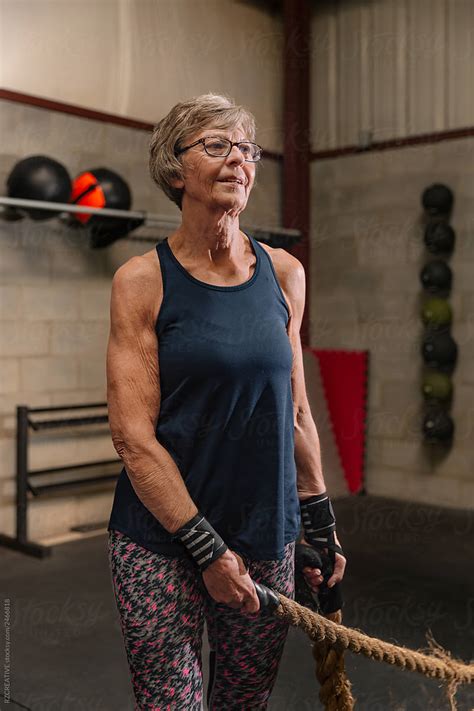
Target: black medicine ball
(437, 199)
(439, 237)
(436, 276)
(102, 187)
(439, 350)
(104, 235)
(438, 426)
(39, 178)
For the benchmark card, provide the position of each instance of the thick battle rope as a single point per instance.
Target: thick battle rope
(332, 639)
(335, 689)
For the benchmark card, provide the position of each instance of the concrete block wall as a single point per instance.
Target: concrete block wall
(367, 251)
(54, 302)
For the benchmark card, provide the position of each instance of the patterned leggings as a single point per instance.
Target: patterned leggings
(162, 603)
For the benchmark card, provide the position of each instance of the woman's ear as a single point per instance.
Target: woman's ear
(177, 183)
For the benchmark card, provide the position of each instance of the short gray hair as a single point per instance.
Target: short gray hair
(184, 119)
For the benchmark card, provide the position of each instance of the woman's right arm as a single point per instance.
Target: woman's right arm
(133, 396)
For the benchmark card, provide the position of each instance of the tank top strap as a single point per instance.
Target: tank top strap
(268, 269)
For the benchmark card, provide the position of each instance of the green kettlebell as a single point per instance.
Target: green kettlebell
(437, 386)
(436, 312)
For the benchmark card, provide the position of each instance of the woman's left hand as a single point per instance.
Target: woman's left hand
(313, 575)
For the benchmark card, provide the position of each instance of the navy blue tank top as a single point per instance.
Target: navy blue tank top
(226, 414)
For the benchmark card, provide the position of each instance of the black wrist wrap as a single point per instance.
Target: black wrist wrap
(319, 523)
(201, 540)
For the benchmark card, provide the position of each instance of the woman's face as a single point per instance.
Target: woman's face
(204, 176)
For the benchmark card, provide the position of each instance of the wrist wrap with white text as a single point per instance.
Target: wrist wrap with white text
(201, 540)
(319, 523)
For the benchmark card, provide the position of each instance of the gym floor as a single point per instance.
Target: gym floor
(409, 571)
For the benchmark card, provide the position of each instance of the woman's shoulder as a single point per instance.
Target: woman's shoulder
(283, 262)
(139, 280)
(140, 265)
(289, 272)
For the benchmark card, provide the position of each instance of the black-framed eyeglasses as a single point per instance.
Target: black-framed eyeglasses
(219, 147)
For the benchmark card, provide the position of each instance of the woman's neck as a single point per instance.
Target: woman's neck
(209, 238)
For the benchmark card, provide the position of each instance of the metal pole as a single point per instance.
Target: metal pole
(104, 211)
(297, 126)
(21, 472)
(148, 217)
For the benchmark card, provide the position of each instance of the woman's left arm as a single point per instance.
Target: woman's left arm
(310, 479)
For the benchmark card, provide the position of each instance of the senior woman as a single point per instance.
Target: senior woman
(208, 412)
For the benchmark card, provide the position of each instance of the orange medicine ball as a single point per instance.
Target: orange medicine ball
(100, 187)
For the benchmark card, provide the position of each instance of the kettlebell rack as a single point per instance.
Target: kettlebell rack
(25, 477)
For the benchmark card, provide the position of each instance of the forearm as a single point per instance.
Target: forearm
(310, 479)
(318, 521)
(157, 481)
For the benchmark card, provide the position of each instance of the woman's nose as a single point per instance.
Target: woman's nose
(236, 155)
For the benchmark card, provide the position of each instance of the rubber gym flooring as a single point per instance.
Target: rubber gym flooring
(410, 569)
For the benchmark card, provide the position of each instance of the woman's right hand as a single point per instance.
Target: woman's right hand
(228, 582)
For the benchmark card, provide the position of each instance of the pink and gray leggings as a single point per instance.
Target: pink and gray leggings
(162, 603)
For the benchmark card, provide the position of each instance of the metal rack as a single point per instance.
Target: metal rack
(25, 477)
(153, 224)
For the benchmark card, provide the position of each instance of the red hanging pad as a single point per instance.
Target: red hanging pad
(344, 378)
